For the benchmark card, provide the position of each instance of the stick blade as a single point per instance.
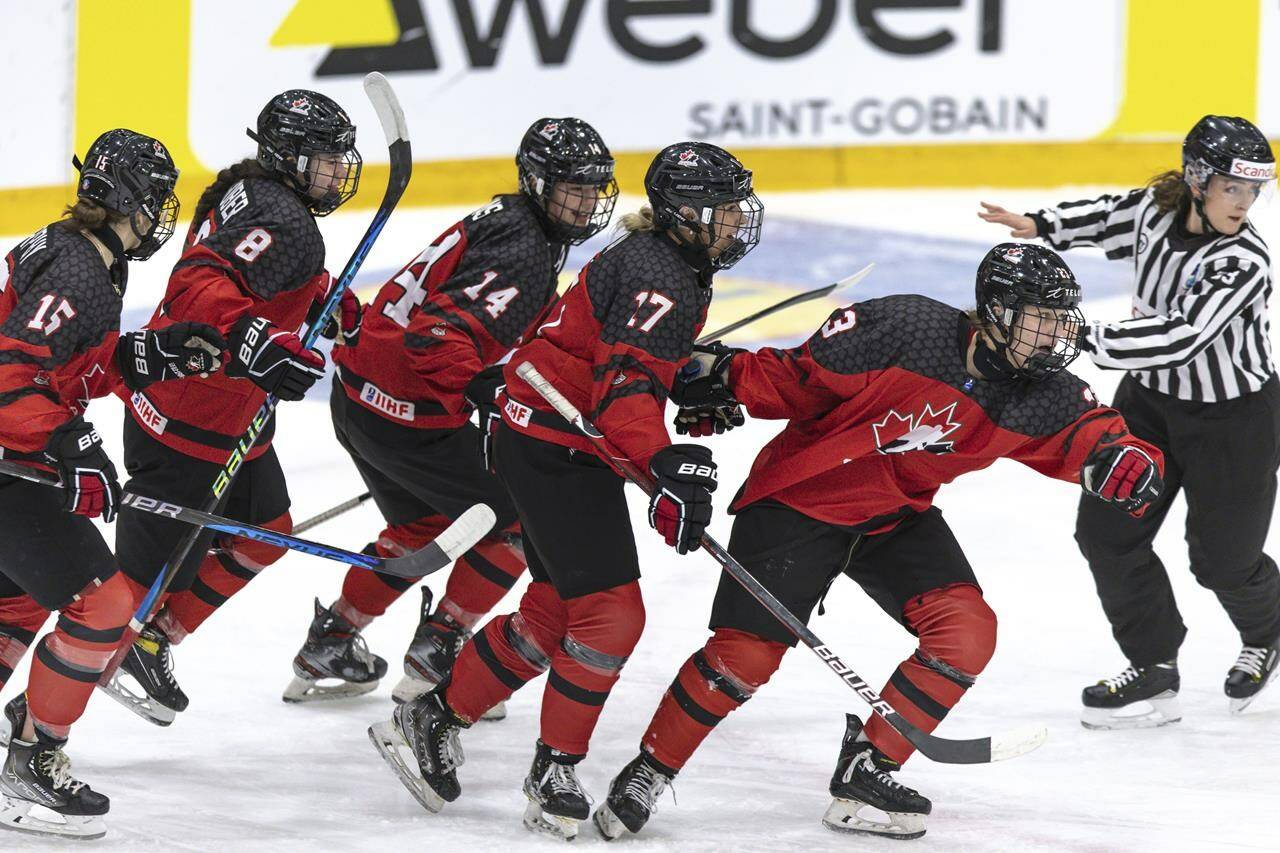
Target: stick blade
(1018, 742)
(459, 538)
(385, 103)
(982, 750)
(853, 279)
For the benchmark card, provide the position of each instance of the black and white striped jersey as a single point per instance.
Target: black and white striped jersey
(1199, 329)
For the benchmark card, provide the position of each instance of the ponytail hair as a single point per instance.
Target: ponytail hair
(246, 168)
(1170, 190)
(86, 215)
(641, 220)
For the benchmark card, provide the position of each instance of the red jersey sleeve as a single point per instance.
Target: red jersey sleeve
(1062, 454)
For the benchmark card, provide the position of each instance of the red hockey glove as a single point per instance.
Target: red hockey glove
(89, 480)
(680, 506)
(1124, 475)
(343, 326)
(701, 390)
(174, 352)
(273, 359)
(482, 392)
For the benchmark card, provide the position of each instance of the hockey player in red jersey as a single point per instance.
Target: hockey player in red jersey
(60, 347)
(402, 395)
(889, 400)
(612, 344)
(253, 264)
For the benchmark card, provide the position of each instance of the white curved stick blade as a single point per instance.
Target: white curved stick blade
(387, 106)
(1018, 742)
(469, 528)
(855, 278)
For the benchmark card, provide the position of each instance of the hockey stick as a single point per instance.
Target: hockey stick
(944, 750)
(456, 540)
(391, 117)
(332, 512)
(807, 296)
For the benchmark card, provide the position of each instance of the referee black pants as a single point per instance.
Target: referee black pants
(1223, 457)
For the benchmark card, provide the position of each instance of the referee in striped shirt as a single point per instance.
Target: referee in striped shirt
(1201, 385)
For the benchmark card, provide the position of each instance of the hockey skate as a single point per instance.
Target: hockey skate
(38, 794)
(866, 798)
(15, 714)
(632, 799)
(1250, 674)
(435, 646)
(1138, 698)
(420, 743)
(144, 681)
(334, 652)
(557, 803)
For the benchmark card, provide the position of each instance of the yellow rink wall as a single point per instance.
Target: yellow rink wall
(1166, 87)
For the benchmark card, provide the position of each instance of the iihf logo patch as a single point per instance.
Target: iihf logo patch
(689, 158)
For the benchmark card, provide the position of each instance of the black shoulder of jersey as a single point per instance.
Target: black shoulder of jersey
(642, 291)
(1043, 408)
(77, 266)
(906, 330)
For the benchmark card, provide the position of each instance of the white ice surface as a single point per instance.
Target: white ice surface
(240, 770)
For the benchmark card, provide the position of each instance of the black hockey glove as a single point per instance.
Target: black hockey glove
(1124, 475)
(482, 392)
(174, 352)
(343, 325)
(701, 390)
(273, 359)
(89, 483)
(680, 506)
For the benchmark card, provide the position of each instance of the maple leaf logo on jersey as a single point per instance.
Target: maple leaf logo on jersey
(689, 158)
(83, 402)
(925, 431)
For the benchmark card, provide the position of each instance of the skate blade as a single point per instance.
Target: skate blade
(309, 690)
(539, 821)
(858, 817)
(139, 703)
(34, 819)
(391, 746)
(1237, 706)
(1152, 713)
(608, 824)
(410, 688)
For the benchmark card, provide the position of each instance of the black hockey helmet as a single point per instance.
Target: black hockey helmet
(1227, 145)
(568, 151)
(307, 139)
(717, 187)
(1029, 295)
(129, 173)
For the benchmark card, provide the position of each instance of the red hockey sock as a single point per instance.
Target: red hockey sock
(601, 632)
(482, 576)
(366, 595)
(69, 660)
(957, 631)
(507, 652)
(715, 680)
(221, 576)
(20, 620)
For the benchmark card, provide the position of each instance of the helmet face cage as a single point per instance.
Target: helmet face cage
(565, 167)
(728, 216)
(1029, 295)
(129, 174)
(307, 138)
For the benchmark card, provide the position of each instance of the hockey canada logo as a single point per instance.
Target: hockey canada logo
(689, 158)
(302, 106)
(549, 129)
(925, 431)
(159, 149)
(1013, 255)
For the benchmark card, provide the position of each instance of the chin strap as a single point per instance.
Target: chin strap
(1198, 204)
(991, 362)
(107, 236)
